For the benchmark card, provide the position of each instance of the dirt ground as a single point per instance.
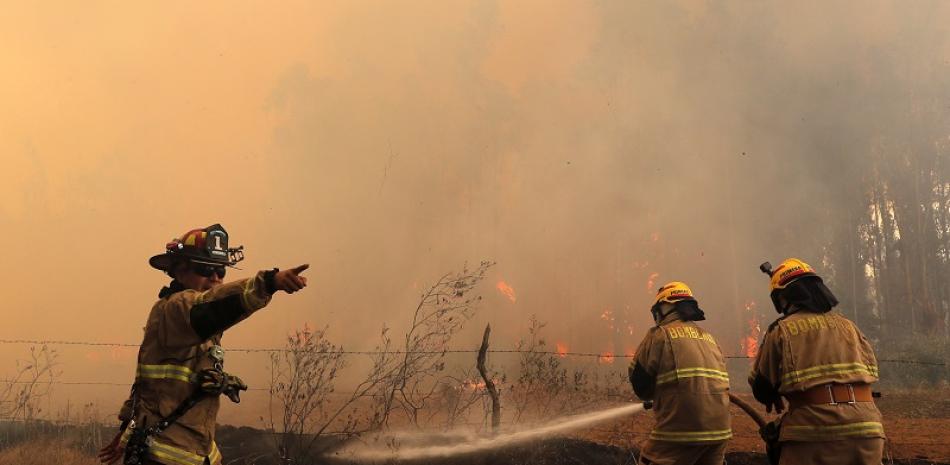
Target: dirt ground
(915, 429)
(917, 424)
(917, 435)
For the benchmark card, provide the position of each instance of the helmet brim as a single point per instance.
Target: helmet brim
(165, 261)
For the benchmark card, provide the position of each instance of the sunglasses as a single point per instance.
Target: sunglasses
(204, 270)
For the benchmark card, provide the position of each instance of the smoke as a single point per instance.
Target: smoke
(595, 150)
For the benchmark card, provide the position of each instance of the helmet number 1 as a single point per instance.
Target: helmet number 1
(218, 244)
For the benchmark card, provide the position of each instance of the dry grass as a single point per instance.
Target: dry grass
(44, 452)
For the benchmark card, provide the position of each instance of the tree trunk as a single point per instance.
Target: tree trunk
(489, 384)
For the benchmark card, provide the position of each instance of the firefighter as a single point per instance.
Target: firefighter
(822, 364)
(680, 367)
(169, 418)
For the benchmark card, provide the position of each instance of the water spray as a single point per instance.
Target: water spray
(403, 446)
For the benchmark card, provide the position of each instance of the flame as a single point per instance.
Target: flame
(651, 282)
(505, 289)
(476, 384)
(750, 342)
(606, 357)
(655, 236)
(561, 349)
(750, 346)
(630, 328)
(472, 385)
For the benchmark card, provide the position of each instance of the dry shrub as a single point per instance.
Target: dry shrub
(406, 378)
(547, 387)
(33, 380)
(45, 452)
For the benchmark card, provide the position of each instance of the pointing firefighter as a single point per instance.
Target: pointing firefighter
(680, 367)
(169, 418)
(822, 364)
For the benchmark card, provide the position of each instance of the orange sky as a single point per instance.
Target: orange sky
(386, 143)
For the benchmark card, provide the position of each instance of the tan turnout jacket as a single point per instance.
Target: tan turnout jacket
(807, 349)
(170, 355)
(691, 400)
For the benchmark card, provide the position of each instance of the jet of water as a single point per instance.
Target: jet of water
(457, 443)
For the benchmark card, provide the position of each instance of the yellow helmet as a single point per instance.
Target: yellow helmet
(790, 290)
(789, 271)
(680, 295)
(673, 292)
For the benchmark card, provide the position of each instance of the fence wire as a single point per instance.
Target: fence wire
(41, 342)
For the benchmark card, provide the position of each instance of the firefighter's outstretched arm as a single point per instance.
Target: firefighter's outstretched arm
(212, 313)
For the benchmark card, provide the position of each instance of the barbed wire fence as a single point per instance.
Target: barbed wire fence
(54, 342)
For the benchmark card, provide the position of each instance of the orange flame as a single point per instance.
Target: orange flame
(477, 384)
(651, 282)
(561, 349)
(750, 342)
(750, 346)
(606, 357)
(473, 385)
(505, 289)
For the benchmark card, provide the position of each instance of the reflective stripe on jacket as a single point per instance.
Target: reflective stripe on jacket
(691, 400)
(168, 454)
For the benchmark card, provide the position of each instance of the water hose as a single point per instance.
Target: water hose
(753, 413)
(769, 431)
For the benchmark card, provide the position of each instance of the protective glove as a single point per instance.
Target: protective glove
(233, 388)
(113, 451)
(217, 382)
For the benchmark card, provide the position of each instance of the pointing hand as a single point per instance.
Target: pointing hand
(290, 280)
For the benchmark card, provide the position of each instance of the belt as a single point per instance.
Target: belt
(831, 394)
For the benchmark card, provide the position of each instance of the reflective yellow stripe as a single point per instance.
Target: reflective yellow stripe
(835, 431)
(176, 372)
(200, 298)
(830, 369)
(215, 455)
(673, 375)
(171, 455)
(691, 436)
(162, 456)
(125, 436)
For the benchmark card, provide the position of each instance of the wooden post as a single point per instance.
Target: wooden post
(489, 385)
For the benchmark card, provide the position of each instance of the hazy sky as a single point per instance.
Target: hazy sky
(595, 150)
